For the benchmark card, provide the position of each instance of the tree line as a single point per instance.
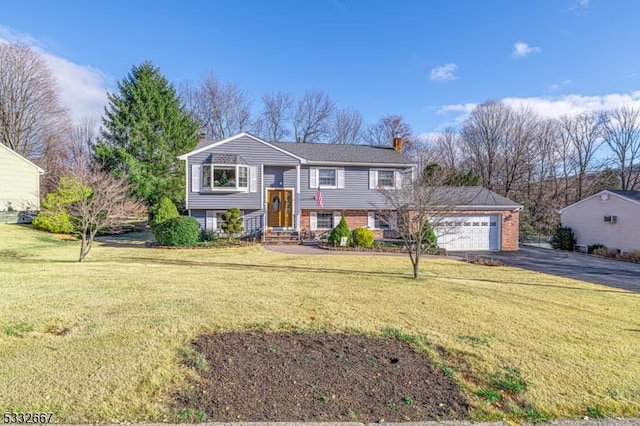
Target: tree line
(543, 163)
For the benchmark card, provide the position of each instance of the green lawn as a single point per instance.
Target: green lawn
(100, 340)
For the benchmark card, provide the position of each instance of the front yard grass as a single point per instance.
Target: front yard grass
(100, 341)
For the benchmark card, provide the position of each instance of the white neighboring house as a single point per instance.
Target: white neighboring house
(19, 182)
(610, 217)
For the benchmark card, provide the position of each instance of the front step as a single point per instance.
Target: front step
(282, 237)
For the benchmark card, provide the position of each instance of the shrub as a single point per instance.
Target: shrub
(563, 238)
(429, 239)
(178, 231)
(232, 222)
(631, 256)
(340, 231)
(207, 235)
(54, 221)
(163, 211)
(606, 252)
(363, 237)
(594, 247)
(54, 217)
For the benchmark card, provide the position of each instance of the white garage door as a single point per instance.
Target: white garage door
(469, 233)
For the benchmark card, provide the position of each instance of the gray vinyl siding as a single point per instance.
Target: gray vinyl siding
(255, 154)
(252, 219)
(273, 175)
(355, 195)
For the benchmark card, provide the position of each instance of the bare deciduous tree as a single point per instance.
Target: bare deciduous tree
(447, 147)
(418, 208)
(621, 131)
(102, 201)
(273, 122)
(386, 129)
(483, 136)
(583, 133)
(221, 109)
(346, 126)
(81, 141)
(32, 118)
(311, 119)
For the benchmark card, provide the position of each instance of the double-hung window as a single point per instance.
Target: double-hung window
(384, 178)
(326, 178)
(324, 220)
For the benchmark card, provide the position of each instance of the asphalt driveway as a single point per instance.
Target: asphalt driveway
(598, 270)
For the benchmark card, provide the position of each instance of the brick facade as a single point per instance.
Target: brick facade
(509, 228)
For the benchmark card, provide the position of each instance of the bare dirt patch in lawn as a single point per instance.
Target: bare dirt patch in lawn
(259, 376)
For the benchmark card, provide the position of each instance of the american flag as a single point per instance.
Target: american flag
(319, 198)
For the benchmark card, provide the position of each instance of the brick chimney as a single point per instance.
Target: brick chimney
(397, 144)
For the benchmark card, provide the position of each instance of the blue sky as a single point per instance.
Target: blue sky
(428, 61)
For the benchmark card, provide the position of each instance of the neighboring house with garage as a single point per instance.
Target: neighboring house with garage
(609, 217)
(303, 189)
(19, 186)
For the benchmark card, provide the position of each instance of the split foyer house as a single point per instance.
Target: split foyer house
(609, 217)
(306, 188)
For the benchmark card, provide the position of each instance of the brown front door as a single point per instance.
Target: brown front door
(279, 208)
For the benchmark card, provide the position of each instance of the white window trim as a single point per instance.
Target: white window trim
(371, 221)
(314, 178)
(250, 172)
(373, 178)
(216, 223)
(315, 215)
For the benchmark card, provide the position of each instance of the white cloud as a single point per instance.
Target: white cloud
(580, 5)
(522, 49)
(82, 88)
(443, 73)
(557, 86)
(552, 107)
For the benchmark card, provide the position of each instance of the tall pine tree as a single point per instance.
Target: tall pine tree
(145, 128)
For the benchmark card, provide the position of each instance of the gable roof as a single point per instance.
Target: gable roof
(633, 196)
(476, 197)
(208, 144)
(12, 152)
(320, 153)
(342, 153)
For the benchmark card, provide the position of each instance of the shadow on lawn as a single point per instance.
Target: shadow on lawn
(545, 285)
(267, 268)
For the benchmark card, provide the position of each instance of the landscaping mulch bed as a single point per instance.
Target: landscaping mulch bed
(260, 376)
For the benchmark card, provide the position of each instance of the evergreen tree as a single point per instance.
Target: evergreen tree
(145, 128)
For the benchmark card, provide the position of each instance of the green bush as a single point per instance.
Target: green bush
(178, 231)
(594, 247)
(163, 211)
(53, 217)
(363, 237)
(232, 222)
(429, 239)
(563, 238)
(342, 230)
(57, 222)
(207, 235)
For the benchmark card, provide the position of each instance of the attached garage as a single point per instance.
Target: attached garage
(476, 219)
(469, 232)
